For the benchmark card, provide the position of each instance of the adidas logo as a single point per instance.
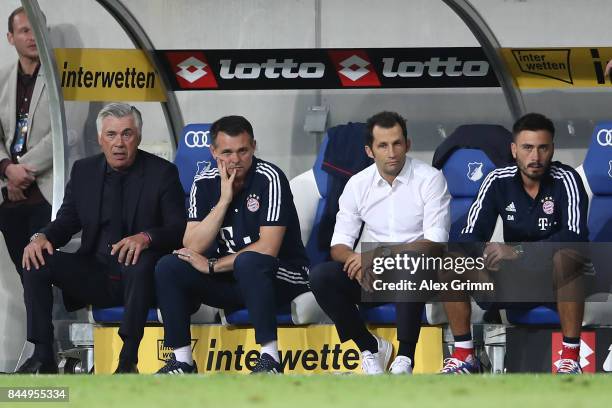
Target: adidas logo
(511, 207)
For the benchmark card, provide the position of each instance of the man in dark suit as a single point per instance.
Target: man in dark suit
(129, 206)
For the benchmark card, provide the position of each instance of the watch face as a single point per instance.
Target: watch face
(386, 251)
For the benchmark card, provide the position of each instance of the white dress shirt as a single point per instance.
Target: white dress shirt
(414, 207)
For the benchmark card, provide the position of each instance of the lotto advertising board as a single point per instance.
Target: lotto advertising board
(452, 67)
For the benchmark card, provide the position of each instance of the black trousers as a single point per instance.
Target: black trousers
(181, 289)
(91, 280)
(339, 296)
(19, 223)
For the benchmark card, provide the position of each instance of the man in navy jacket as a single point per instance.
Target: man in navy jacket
(538, 200)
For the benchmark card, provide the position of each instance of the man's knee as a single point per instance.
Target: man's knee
(144, 267)
(568, 258)
(568, 265)
(325, 276)
(166, 269)
(254, 265)
(42, 273)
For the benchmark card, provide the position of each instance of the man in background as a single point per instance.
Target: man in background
(25, 142)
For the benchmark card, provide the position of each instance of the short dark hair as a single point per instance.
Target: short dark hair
(385, 120)
(533, 122)
(18, 10)
(232, 125)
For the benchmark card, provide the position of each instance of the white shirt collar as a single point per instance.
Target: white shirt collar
(403, 176)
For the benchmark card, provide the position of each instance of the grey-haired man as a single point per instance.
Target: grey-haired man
(129, 206)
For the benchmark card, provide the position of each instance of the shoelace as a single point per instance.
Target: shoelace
(368, 360)
(171, 365)
(450, 364)
(264, 364)
(568, 366)
(400, 363)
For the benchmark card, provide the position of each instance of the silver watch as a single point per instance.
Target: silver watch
(36, 236)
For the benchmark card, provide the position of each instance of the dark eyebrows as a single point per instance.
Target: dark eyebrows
(529, 145)
(240, 149)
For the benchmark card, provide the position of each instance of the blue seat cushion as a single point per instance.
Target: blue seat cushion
(115, 315)
(540, 315)
(459, 208)
(598, 161)
(465, 171)
(241, 317)
(193, 154)
(383, 314)
(600, 219)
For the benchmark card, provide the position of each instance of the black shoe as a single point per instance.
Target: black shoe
(35, 366)
(125, 367)
(177, 367)
(267, 364)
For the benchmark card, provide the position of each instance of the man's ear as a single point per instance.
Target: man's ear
(369, 152)
(513, 148)
(212, 151)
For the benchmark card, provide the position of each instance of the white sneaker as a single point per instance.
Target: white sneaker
(401, 365)
(376, 363)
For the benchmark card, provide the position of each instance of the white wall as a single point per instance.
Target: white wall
(278, 116)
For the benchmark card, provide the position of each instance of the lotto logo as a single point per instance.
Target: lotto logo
(191, 69)
(354, 68)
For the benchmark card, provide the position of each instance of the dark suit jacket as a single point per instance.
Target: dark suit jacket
(153, 197)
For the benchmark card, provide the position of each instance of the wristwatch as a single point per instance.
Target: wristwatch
(36, 236)
(211, 265)
(518, 250)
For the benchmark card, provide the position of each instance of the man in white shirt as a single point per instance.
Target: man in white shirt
(400, 200)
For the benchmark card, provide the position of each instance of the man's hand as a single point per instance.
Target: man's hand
(129, 248)
(14, 192)
(352, 266)
(21, 175)
(227, 182)
(609, 68)
(495, 252)
(33, 252)
(198, 261)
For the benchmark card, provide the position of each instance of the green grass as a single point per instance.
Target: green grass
(212, 391)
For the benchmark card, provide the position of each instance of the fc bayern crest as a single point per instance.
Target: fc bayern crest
(548, 205)
(252, 202)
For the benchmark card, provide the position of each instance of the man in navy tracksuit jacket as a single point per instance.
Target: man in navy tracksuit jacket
(538, 201)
